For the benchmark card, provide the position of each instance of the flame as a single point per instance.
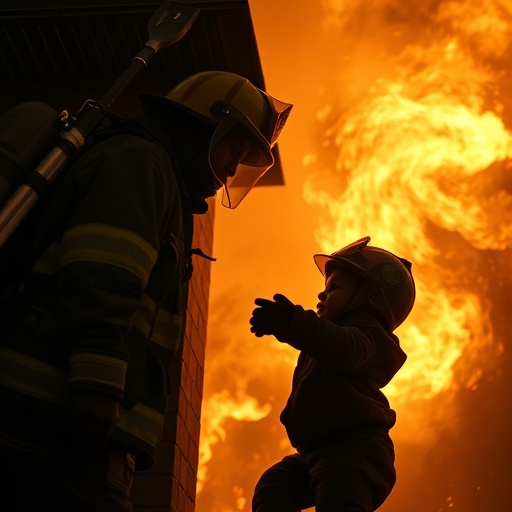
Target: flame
(406, 164)
(219, 407)
(413, 155)
(410, 144)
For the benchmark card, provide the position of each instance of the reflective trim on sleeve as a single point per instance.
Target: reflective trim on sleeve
(110, 245)
(166, 330)
(142, 422)
(97, 370)
(29, 376)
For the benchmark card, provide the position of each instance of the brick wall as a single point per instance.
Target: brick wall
(170, 486)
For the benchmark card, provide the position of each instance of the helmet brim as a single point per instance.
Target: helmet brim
(321, 261)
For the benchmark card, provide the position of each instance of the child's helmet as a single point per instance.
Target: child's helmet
(394, 292)
(229, 101)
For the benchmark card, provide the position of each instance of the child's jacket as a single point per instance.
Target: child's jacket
(340, 371)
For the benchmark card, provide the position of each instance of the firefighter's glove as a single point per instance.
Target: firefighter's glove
(272, 316)
(92, 418)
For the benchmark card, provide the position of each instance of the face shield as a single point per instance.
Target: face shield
(239, 176)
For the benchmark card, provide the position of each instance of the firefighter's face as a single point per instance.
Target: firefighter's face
(234, 148)
(341, 286)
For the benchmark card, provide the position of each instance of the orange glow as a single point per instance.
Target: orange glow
(216, 410)
(401, 130)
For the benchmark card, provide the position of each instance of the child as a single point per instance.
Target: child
(336, 416)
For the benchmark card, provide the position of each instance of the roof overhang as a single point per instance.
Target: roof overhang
(67, 51)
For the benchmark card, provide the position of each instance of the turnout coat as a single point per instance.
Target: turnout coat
(101, 310)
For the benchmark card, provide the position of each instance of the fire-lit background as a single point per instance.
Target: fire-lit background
(401, 130)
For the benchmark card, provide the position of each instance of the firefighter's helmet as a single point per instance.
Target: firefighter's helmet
(389, 275)
(230, 101)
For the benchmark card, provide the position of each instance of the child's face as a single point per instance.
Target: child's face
(340, 288)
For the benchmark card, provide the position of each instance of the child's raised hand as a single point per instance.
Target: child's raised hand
(272, 316)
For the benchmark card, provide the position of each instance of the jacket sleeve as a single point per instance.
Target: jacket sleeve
(108, 250)
(360, 347)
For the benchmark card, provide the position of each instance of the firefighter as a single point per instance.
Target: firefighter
(88, 336)
(336, 416)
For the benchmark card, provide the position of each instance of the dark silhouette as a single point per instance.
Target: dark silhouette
(336, 416)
